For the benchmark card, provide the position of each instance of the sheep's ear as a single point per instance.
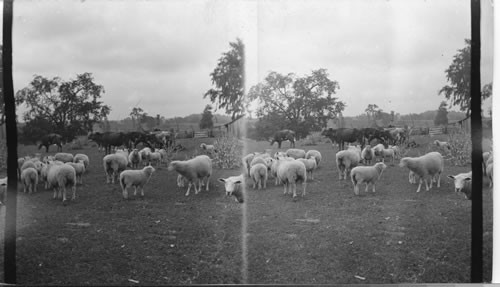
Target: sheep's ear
(238, 181)
(467, 178)
(222, 180)
(451, 176)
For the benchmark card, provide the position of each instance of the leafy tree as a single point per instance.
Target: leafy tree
(71, 106)
(206, 121)
(458, 76)
(300, 103)
(136, 115)
(229, 81)
(441, 115)
(372, 110)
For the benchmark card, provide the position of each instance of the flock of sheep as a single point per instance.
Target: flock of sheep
(64, 171)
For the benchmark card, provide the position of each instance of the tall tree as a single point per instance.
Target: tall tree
(441, 115)
(71, 106)
(229, 81)
(303, 103)
(206, 121)
(372, 110)
(458, 77)
(136, 114)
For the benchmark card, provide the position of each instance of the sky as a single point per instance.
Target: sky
(158, 55)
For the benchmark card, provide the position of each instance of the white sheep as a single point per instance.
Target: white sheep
(463, 183)
(145, 152)
(295, 153)
(246, 160)
(346, 160)
(82, 157)
(155, 157)
(310, 164)
(274, 167)
(79, 170)
(291, 172)
(134, 158)
(164, 155)
(443, 145)
(29, 177)
(60, 177)
(113, 165)
(279, 154)
(209, 148)
(368, 175)
(367, 154)
(388, 152)
(425, 166)
(377, 150)
(64, 157)
(397, 151)
(258, 173)
(194, 169)
(317, 155)
(234, 186)
(45, 170)
(181, 181)
(135, 178)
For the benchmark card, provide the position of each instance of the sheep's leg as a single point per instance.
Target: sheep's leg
(55, 193)
(208, 182)
(373, 187)
(265, 180)
(304, 185)
(135, 190)
(124, 192)
(419, 185)
(356, 189)
(427, 184)
(74, 192)
(189, 188)
(439, 180)
(284, 188)
(142, 191)
(294, 189)
(64, 194)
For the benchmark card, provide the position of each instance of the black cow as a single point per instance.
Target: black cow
(283, 135)
(343, 135)
(113, 139)
(97, 138)
(372, 133)
(50, 139)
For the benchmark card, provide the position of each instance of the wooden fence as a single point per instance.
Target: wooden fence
(435, 131)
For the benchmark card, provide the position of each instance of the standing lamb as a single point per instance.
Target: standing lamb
(60, 177)
(194, 169)
(82, 157)
(79, 170)
(155, 157)
(113, 165)
(274, 167)
(346, 160)
(442, 145)
(135, 178)
(463, 183)
(233, 186)
(145, 152)
(258, 172)
(368, 175)
(291, 172)
(425, 166)
(317, 155)
(208, 148)
(64, 157)
(310, 164)
(295, 153)
(134, 158)
(367, 154)
(29, 177)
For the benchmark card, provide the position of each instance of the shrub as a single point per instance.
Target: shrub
(229, 152)
(460, 147)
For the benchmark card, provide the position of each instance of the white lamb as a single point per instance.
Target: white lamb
(155, 157)
(82, 157)
(145, 152)
(64, 157)
(346, 160)
(310, 164)
(397, 151)
(388, 152)
(194, 169)
(233, 186)
(368, 175)
(60, 177)
(29, 177)
(258, 173)
(291, 172)
(45, 170)
(425, 166)
(209, 148)
(367, 154)
(378, 149)
(295, 153)
(317, 155)
(164, 155)
(274, 167)
(113, 165)
(134, 158)
(443, 145)
(135, 178)
(79, 170)
(246, 162)
(463, 183)
(279, 154)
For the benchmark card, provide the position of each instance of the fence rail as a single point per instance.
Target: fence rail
(435, 131)
(203, 134)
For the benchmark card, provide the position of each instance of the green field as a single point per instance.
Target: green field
(330, 236)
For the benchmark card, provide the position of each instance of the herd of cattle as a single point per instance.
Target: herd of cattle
(65, 170)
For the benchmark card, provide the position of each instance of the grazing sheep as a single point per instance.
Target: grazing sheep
(145, 152)
(155, 157)
(279, 154)
(430, 164)
(27, 164)
(368, 175)
(346, 160)
(197, 168)
(134, 158)
(463, 183)
(489, 173)
(29, 177)
(3, 190)
(443, 145)
(60, 177)
(397, 151)
(79, 170)
(367, 154)
(82, 157)
(64, 157)
(310, 164)
(135, 178)
(246, 162)
(317, 155)
(377, 150)
(209, 148)
(388, 152)
(295, 153)
(233, 186)
(258, 172)
(291, 172)
(113, 165)
(274, 167)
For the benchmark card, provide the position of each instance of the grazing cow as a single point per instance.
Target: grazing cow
(370, 134)
(97, 138)
(343, 135)
(284, 135)
(50, 139)
(113, 139)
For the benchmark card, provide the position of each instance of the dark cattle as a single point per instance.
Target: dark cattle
(113, 139)
(284, 135)
(343, 135)
(135, 138)
(372, 133)
(51, 139)
(97, 138)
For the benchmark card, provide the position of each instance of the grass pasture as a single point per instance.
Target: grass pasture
(330, 236)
